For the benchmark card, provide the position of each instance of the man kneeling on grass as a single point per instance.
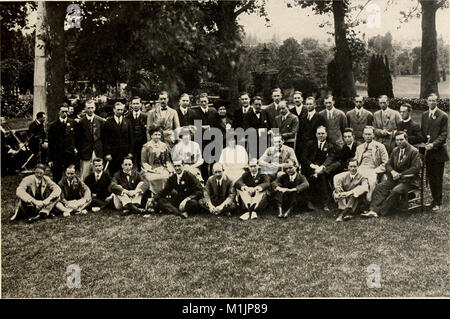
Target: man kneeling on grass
(181, 193)
(252, 188)
(290, 189)
(219, 194)
(75, 195)
(127, 187)
(349, 188)
(37, 194)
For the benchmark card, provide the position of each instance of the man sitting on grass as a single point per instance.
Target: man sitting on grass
(403, 170)
(75, 195)
(290, 190)
(348, 190)
(98, 182)
(127, 187)
(219, 194)
(37, 195)
(252, 189)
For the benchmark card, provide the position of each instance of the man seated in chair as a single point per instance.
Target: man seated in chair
(75, 195)
(219, 194)
(98, 182)
(289, 190)
(181, 194)
(372, 157)
(127, 187)
(252, 188)
(349, 188)
(37, 194)
(403, 170)
(274, 159)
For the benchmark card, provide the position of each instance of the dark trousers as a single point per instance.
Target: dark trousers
(319, 190)
(171, 205)
(291, 200)
(387, 194)
(60, 165)
(435, 176)
(137, 155)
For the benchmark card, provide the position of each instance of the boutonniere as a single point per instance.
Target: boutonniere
(182, 182)
(325, 149)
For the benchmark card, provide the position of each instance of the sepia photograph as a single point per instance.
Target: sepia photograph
(247, 150)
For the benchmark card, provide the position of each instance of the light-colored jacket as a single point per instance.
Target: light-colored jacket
(388, 122)
(167, 123)
(26, 190)
(342, 183)
(379, 154)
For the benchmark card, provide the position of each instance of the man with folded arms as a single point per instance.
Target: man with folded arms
(348, 190)
(290, 189)
(127, 187)
(38, 194)
(75, 195)
(274, 159)
(98, 182)
(403, 170)
(181, 193)
(219, 194)
(252, 188)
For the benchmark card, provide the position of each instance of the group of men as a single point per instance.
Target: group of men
(363, 163)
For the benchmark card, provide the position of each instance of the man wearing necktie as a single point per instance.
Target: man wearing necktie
(290, 190)
(138, 122)
(185, 114)
(61, 143)
(336, 121)
(240, 113)
(385, 122)
(164, 117)
(98, 182)
(358, 118)
(219, 193)
(272, 110)
(403, 170)
(287, 124)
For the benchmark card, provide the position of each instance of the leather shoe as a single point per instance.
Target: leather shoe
(184, 215)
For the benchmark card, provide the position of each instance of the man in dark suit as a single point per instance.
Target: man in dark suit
(409, 126)
(117, 138)
(184, 112)
(138, 122)
(298, 109)
(257, 119)
(181, 194)
(348, 151)
(127, 188)
(358, 118)
(252, 188)
(319, 161)
(434, 128)
(219, 193)
(290, 190)
(98, 182)
(61, 143)
(287, 124)
(36, 138)
(308, 126)
(272, 110)
(88, 139)
(403, 169)
(240, 113)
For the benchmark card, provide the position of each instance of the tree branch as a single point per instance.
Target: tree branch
(440, 3)
(244, 7)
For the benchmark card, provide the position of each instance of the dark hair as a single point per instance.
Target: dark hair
(408, 106)
(154, 129)
(163, 93)
(204, 95)
(64, 105)
(348, 129)
(97, 159)
(40, 166)
(244, 93)
(128, 157)
(401, 133)
(70, 166)
(40, 115)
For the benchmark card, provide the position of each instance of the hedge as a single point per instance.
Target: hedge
(395, 103)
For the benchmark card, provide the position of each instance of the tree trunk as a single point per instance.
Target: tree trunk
(55, 46)
(429, 67)
(343, 54)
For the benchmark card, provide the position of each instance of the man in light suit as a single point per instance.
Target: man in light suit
(287, 124)
(274, 159)
(138, 122)
(385, 122)
(434, 128)
(372, 157)
(37, 194)
(88, 139)
(358, 118)
(336, 121)
(164, 117)
(348, 190)
(403, 170)
(219, 194)
(272, 110)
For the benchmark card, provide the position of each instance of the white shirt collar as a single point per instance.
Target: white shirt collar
(245, 109)
(204, 110)
(311, 114)
(183, 109)
(351, 145)
(136, 113)
(117, 118)
(99, 175)
(358, 110)
(433, 112)
(407, 120)
(90, 118)
(63, 120)
(37, 181)
(293, 176)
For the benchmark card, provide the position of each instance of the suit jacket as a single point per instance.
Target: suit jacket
(300, 182)
(185, 120)
(238, 118)
(357, 123)
(167, 123)
(247, 179)
(77, 190)
(436, 128)
(344, 183)
(189, 186)
(380, 155)
(346, 154)
(413, 130)
(307, 129)
(89, 139)
(272, 155)
(272, 113)
(61, 140)
(251, 120)
(215, 195)
(328, 157)
(389, 122)
(120, 182)
(99, 189)
(211, 117)
(139, 127)
(37, 135)
(335, 125)
(303, 112)
(410, 164)
(27, 189)
(118, 140)
(288, 128)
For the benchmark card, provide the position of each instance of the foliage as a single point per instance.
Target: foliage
(379, 77)
(371, 103)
